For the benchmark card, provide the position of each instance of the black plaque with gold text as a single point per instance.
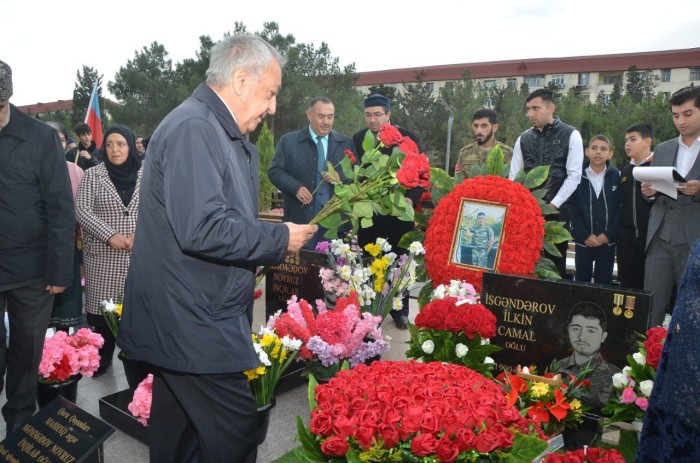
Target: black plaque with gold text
(59, 432)
(297, 276)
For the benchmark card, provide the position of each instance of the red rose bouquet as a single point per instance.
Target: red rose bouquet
(634, 383)
(454, 329)
(417, 412)
(65, 356)
(551, 402)
(586, 455)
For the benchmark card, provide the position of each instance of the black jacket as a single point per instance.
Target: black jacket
(634, 212)
(593, 215)
(83, 163)
(37, 214)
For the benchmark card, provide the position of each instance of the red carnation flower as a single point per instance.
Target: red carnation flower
(350, 155)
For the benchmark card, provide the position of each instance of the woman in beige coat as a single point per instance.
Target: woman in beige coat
(107, 207)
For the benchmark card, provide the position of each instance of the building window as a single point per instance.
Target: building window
(611, 79)
(535, 81)
(584, 78)
(558, 80)
(666, 75)
(694, 73)
(489, 84)
(512, 82)
(489, 103)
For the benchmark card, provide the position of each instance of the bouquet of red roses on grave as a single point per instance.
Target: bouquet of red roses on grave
(586, 455)
(455, 328)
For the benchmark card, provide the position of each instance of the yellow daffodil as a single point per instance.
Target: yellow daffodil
(373, 249)
(539, 389)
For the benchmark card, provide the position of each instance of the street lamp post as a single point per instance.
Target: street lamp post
(450, 120)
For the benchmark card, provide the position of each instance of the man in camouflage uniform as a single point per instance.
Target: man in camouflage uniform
(483, 239)
(485, 126)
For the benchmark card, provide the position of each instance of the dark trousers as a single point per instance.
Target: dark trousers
(560, 262)
(604, 259)
(665, 264)
(29, 310)
(202, 418)
(631, 257)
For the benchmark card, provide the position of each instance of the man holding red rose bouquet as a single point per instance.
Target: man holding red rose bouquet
(414, 173)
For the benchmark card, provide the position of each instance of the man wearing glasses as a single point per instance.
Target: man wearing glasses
(378, 113)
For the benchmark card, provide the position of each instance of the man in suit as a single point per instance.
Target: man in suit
(674, 224)
(299, 168)
(378, 113)
(37, 241)
(189, 291)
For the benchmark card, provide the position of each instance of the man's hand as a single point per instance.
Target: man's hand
(591, 241)
(299, 235)
(55, 289)
(602, 239)
(689, 188)
(85, 154)
(647, 190)
(304, 195)
(330, 178)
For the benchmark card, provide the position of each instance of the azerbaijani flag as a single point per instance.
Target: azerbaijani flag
(92, 118)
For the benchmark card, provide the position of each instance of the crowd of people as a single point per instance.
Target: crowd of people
(175, 232)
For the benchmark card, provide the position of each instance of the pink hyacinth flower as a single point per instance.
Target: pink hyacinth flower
(628, 396)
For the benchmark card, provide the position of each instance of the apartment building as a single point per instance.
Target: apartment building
(671, 69)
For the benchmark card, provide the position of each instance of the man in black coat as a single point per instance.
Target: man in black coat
(86, 154)
(378, 113)
(37, 233)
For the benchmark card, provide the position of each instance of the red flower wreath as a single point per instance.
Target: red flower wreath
(523, 230)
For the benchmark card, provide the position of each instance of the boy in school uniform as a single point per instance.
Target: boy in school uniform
(595, 218)
(634, 211)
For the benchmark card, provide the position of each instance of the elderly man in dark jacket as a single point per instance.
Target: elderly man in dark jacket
(37, 233)
(189, 292)
(299, 168)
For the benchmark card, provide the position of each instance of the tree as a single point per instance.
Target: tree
(640, 85)
(616, 93)
(81, 96)
(147, 89)
(266, 150)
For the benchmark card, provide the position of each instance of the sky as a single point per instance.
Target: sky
(46, 42)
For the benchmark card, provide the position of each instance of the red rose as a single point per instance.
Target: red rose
(429, 423)
(390, 434)
(335, 447)
(350, 155)
(654, 355)
(446, 451)
(258, 294)
(487, 441)
(407, 145)
(321, 424)
(414, 171)
(364, 436)
(390, 135)
(423, 445)
(464, 440)
(454, 322)
(344, 426)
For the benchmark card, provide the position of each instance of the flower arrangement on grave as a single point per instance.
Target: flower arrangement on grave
(454, 328)
(376, 184)
(634, 383)
(552, 401)
(140, 405)
(586, 455)
(417, 412)
(67, 355)
(379, 280)
(334, 335)
(275, 354)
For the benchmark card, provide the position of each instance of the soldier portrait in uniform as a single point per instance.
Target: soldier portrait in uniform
(479, 232)
(587, 328)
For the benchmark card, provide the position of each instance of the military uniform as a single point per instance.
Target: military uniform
(481, 237)
(473, 155)
(601, 379)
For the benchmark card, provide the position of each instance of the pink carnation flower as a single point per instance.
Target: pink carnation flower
(140, 406)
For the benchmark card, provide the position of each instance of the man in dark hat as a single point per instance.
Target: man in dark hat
(378, 113)
(37, 232)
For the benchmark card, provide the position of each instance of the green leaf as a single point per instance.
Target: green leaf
(546, 264)
(362, 209)
(308, 441)
(366, 222)
(424, 293)
(475, 171)
(520, 176)
(539, 193)
(547, 209)
(555, 232)
(347, 167)
(406, 215)
(410, 237)
(441, 181)
(345, 206)
(310, 392)
(341, 191)
(422, 219)
(525, 449)
(551, 248)
(494, 160)
(332, 221)
(505, 171)
(536, 177)
(369, 142)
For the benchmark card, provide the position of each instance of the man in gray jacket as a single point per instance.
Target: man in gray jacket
(674, 224)
(189, 292)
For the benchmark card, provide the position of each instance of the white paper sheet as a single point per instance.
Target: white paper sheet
(663, 179)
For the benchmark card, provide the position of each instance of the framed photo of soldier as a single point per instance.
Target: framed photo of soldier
(478, 234)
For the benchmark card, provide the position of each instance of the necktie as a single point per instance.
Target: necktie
(322, 194)
(321, 162)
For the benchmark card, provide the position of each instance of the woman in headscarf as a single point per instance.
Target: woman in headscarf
(107, 207)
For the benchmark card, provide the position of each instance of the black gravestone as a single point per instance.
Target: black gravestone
(59, 432)
(114, 408)
(297, 276)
